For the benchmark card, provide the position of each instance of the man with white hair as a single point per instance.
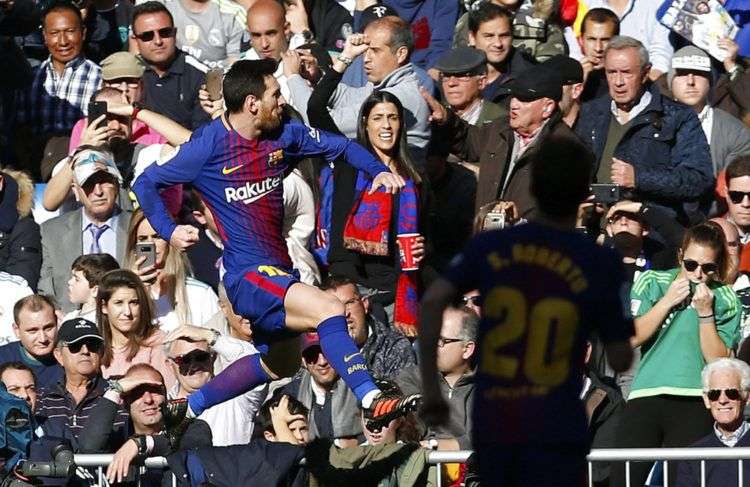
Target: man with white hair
(726, 382)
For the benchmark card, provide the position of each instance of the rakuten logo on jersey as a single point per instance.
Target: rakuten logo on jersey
(252, 191)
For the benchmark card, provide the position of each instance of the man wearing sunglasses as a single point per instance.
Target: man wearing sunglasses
(66, 405)
(193, 362)
(172, 78)
(725, 394)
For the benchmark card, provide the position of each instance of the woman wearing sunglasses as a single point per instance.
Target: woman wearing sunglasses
(126, 320)
(684, 318)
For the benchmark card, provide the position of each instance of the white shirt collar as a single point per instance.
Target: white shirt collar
(636, 110)
(731, 439)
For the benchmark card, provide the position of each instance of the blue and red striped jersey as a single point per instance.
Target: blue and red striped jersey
(240, 181)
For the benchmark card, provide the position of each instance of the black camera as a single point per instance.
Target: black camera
(62, 466)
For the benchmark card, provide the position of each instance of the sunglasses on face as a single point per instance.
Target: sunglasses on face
(310, 355)
(737, 196)
(471, 300)
(691, 265)
(164, 32)
(443, 341)
(192, 362)
(138, 392)
(92, 345)
(715, 394)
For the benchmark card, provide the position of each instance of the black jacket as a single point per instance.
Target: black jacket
(329, 22)
(20, 239)
(719, 473)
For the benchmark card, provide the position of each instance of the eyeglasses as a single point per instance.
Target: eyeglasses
(715, 394)
(117, 83)
(707, 268)
(164, 32)
(463, 77)
(443, 341)
(92, 345)
(311, 354)
(470, 300)
(194, 361)
(738, 196)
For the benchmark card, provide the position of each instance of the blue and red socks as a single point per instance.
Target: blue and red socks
(341, 352)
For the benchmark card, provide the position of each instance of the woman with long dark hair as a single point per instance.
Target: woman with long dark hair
(360, 230)
(684, 318)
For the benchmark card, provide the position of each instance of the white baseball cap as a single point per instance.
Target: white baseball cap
(90, 161)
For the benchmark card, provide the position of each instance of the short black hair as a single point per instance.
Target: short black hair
(488, 11)
(601, 16)
(561, 170)
(150, 7)
(246, 78)
(16, 366)
(62, 6)
(335, 282)
(263, 418)
(739, 167)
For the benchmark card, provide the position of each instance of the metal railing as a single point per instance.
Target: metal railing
(627, 455)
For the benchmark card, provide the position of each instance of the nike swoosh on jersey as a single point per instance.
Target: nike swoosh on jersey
(229, 170)
(347, 358)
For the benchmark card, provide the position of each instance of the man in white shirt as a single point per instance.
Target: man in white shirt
(690, 81)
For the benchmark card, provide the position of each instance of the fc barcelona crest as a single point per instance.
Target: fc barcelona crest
(275, 157)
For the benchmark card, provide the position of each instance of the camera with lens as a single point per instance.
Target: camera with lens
(26, 471)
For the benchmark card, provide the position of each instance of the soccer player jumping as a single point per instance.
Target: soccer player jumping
(237, 163)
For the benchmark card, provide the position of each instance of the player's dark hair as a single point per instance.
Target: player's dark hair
(401, 158)
(709, 234)
(488, 11)
(62, 6)
(334, 282)
(739, 167)
(150, 7)
(94, 266)
(246, 78)
(263, 418)
(601, 16)
(561, 170)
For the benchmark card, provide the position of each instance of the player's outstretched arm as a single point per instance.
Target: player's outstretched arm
(436, 299)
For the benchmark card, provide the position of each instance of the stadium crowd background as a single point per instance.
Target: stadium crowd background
(454, 96)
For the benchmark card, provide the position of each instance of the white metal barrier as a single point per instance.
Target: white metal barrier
(626, 455)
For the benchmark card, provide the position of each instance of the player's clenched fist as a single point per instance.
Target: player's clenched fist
(391, 182)
(184, 236)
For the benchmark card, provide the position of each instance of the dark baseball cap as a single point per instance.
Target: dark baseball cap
(77, 329)
(308, 340)
(462, 60)
(535, 83)
(566, 68)
(375, 12)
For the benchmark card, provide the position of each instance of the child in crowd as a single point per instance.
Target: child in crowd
(83, 284)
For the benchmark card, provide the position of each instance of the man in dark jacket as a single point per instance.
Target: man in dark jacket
(455, 356)
(725, 393)
(503, 147)
(20, 240)
(386, 350)
(645, 143)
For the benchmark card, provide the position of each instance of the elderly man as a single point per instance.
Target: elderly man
(463, 76)
(172, 78)
(35, 328)
(61, 89)
(645, 143)
(598, 27)
(65, 406)
(194, 362)
(690, 82)
(333, 409)
(726, 383)
(386, 350)
(503, 148)
(455, 356)
(98, 226)
(386, 45)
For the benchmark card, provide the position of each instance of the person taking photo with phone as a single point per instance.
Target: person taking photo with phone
(179, 299)
(684, 318)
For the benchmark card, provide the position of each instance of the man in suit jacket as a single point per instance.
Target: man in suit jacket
(98, 226)
(725, 393)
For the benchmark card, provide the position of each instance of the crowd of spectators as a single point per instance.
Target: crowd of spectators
(103, 322)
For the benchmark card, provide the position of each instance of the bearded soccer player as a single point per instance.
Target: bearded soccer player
(237, 163)
(543, 289)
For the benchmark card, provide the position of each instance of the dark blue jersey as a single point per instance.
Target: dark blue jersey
(240, 181)
(542, 292)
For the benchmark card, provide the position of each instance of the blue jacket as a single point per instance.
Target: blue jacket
(666, 146)
(719, 473)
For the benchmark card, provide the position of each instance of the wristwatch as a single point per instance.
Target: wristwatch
(115, 386)
(140, 440)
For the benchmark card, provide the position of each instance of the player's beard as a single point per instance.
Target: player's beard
(269, 121)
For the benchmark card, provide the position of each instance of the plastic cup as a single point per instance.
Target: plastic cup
(406, 240)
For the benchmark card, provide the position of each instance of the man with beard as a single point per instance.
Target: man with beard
(236, 164)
